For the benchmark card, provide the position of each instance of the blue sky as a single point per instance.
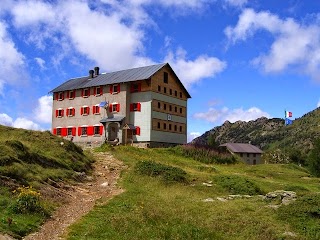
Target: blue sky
(239, 59)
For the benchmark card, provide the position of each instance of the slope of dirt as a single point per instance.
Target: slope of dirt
(81, 198)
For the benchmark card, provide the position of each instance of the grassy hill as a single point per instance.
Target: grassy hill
(169, 196)
(33, 159)
(268, 134)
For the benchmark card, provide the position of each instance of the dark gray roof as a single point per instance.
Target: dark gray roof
(242, 148)
(118, 118)
(128, 75)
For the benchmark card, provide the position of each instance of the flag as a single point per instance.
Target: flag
(288, 114)
(288, 121)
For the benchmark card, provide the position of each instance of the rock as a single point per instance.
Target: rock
(222, 199)
(207, 184)
(105, 184)
(208, 200)
(291, 234)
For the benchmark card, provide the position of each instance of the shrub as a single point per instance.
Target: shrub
(313, 161)
(204, 154)
(238, 185)
(28, 201)
(168, 173)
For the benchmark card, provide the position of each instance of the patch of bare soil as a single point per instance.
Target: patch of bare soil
(80, 199)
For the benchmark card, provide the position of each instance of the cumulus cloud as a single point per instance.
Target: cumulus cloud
(193, 135)
(43, 111)
(10, 60)
(18, 123)
(218, 116)
(295, 45)
(191, 71)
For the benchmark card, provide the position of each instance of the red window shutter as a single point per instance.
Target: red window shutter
(88, 110)
(90, 130)
(56, 95)
(57, 112)
(118, 107)
(73, 112)
(68, 94)
(101, 130)
(73, 131)
(94, 91)
(81, 111)
(88, 92)
(110, 107)
(54, 131)
(139, 86)
(139, 107)
(137, 130)
(64, 132)
(62, 95)
(93, 109)
(79, 131)
(82, 92)
(131, 107)
(62, 113)
(111, 88)
(118, 87)
(101, 90)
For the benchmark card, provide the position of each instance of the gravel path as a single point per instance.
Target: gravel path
(82, 197)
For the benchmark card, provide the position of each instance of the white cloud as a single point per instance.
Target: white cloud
(26, 124)
(295, 45)
(236, 3)
(5, 119)
(11, 60)
(18, 123)
(193, 135)
(218, 116)
(318, 104)
(191, 71)
(43, 111)
(40, 62)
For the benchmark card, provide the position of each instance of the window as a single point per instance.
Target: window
(170, 108)
(175, 128)
(248, 154)
(71, 131)
(170, 127)
(176, 93)
(180, 110)
(70, 111)
(165, 106)
(254, 162)
(85, 110)
(96, 109)
(115, 88)
(170, 91)
(136, 131)
(180, 128)
(159, 88)
(60, 96)
(159, 105)
(84, 131)
(175, 109)
(114, 107)
(85, 92)
(164, 126)
(165, 90)
(59, 131)
(59, 113)
(97, 91)
(253, 155)
(180, 94)
(165, 77)
(97, 130)
(71, 94)
(159, 125)
(135, 87)
(135, 107)
(241, 154)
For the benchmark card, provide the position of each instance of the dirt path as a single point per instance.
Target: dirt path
(82, 197)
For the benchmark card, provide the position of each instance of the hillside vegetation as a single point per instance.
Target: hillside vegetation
(268, 134)
(170, 196)
(30, 161)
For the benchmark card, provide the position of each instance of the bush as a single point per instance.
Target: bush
(304, 215)
(238, 185)
(204, 154)
(168, 173)
(28, 201)
(313, 161)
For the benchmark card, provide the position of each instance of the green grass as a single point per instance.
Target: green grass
(152, 209)
(32, 158)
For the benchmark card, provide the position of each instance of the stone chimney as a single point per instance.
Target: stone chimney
(91, 72)
(96, 71)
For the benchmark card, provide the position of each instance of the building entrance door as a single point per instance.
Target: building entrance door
(112, 131)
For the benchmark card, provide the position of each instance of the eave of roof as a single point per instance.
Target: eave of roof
(129, 75)
(242, 148)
